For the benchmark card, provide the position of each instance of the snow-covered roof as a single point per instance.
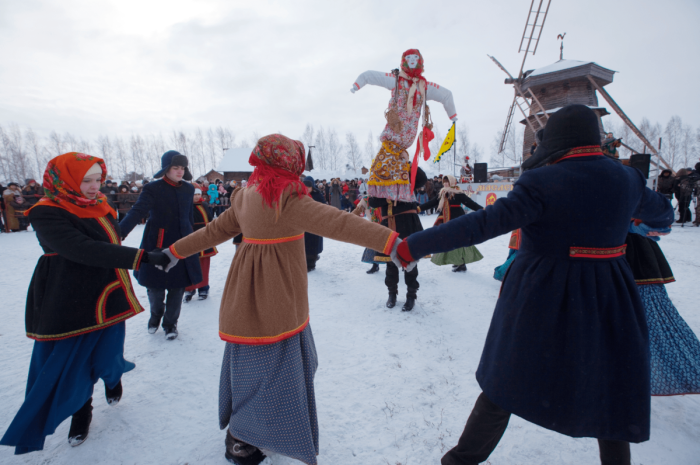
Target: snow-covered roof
(559, 66)
(565, 70)
(236, 160)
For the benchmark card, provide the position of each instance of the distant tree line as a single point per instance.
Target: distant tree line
(24, 153)
(680, 142)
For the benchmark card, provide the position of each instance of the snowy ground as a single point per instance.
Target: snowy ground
(392, 388)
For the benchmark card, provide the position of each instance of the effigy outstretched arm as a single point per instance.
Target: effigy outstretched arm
(443, 95)
(374, 78)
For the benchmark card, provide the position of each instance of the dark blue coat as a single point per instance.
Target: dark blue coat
(568, 345)
(169, 209)
(312, 242)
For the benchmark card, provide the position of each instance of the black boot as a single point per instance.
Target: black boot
(374, 269)
(410, 303)
(188, 296)
(80, 424)
(242, 453)
(391, 302)
(114, 395)
(460, 268)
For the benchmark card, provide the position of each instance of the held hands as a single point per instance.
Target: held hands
(402, 257)
(164, 260)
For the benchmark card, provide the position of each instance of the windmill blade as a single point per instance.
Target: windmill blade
(506, 129)
(535, 31)
(498, 63)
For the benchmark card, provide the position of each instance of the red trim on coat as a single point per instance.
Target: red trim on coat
(171, 182)
(597, 252)
(137, 260)
(53, 254)
(159, 242)
(277, 240)
(390, 243)
(515, 238)
(578, 152)
(175, 254)
(258, 341)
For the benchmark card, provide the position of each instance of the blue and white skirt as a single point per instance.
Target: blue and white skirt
(675, 350)
(62, 375)
(266, 396)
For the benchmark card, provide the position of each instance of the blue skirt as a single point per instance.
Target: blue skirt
(675, 350)
(266, 396)
(62, 375)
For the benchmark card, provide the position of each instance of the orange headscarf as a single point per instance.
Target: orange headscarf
(62, 180)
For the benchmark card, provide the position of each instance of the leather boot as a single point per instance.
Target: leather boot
(391, 302)
(374, 269)
(80, 424)
(114, 395)
(241, 453)
(410, 303)
(460, 268)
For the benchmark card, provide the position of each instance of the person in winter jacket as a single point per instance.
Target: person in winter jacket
(168, 204)
(203, 215)
(125, 201)
(449, 204)
(32, 192)
(19, 205)
(683, 188)
(8, 196)
(264, 316)
(78, 299)
(346, 204)
(336, 192)
(551, 316)
(313, 244)
(665, 186)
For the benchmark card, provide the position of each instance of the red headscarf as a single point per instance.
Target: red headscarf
(278, 162)
(416, 72)
(62, 180)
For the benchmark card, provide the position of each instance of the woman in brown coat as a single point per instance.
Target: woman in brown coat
(266, 394)
(11, 216)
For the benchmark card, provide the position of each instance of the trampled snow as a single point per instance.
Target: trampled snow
(392, 388)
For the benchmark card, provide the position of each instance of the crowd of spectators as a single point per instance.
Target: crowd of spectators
(683, 186)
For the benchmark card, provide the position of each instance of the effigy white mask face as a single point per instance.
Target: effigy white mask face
(412, 60)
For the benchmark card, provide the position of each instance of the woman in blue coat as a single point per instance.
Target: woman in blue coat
(568, 346)
(168, 203)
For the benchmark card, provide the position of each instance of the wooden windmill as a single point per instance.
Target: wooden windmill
(540, 92)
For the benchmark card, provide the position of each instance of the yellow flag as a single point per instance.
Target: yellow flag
(447, 144)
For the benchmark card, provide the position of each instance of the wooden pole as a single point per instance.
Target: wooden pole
(627, 121)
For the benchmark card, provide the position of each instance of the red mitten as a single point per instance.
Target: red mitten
(404, 254)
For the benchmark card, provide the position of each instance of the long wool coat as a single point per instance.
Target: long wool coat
(568, 345)
(80, 284)
(265, 299)
(313, 243)
(170, 211)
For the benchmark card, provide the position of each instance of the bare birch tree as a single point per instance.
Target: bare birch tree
(334, 149)
(353, 151)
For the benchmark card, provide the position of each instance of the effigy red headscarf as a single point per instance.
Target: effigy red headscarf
(62, 180)
(416, 72)
(278, 162)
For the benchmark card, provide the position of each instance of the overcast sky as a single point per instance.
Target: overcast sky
(94, 67)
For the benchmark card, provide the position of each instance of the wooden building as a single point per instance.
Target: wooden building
(213, 175)
(562, 83)
(234, 166)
